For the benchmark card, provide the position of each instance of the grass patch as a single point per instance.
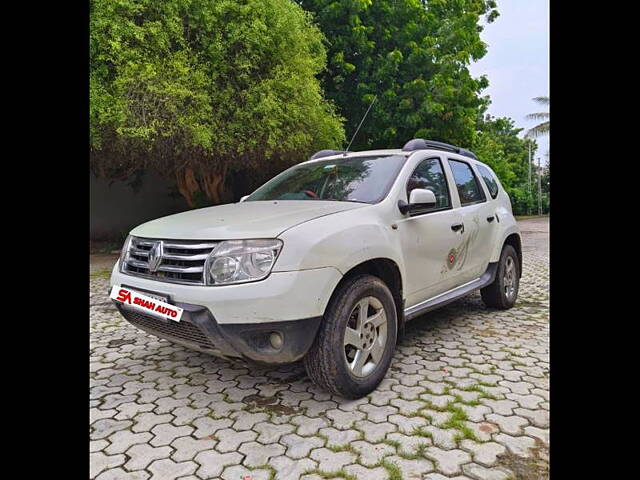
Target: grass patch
(392, 469)
(101, 274)
(272, 471)
(456, 421)
(421, 432)
(347, 447)
(419, 453)
(335, 474)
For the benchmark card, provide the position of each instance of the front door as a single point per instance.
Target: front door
(429, 236)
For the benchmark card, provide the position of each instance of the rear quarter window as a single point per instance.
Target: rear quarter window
(489, 180)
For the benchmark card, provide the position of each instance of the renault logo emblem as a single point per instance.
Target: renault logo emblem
(155, 257)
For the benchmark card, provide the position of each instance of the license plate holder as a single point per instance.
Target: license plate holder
(152, 304)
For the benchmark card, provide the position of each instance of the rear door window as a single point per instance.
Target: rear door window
(469, 189)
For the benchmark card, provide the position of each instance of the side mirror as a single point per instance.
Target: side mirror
(244, 198)
(419, 199)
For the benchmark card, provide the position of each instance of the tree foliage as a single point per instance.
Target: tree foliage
(414, 55)
(194, 88)
(498, 145)
(543, 127)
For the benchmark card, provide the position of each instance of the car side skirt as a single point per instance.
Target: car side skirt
(454, 294)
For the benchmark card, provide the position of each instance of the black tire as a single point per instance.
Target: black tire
(326, 360)
(494, 295)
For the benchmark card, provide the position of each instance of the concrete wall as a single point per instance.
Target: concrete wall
(117, 208)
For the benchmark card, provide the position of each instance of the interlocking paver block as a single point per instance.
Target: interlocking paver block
(375, 432)
(448, 461)
(105, 427)
(343, 420)
(407, 424)
(289, 469)
(165, 434)
(484, 453)
(339, 437)
(229, 440)
(518, 445)
(246, 420)
(122, 440)
(144, 422)
(142, 455)
(372, 453)
(331, 461)
(299, 447)
(378, 414)
(309, 426)
(97, 445)
(483, 473)
(315, 408)
(511, 425)
(411, 468)
(167, 469)
(408, 443)
(212, 463)
(120, 474)
(257, 454)
(378, 473)
(542, 434)
(127, 411)
(99, 462)
(239, 472)
(270, 433)
(186, 448)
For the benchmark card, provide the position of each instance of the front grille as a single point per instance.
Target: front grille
(170, 330)
(177, 261)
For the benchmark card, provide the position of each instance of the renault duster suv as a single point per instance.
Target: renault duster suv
(326, 261)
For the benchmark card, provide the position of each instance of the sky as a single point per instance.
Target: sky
(517, 63)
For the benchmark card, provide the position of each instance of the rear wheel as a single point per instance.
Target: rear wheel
(503, 292)
(354, 347)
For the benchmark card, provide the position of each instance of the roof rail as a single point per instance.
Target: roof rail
(421, 144)
(325, 153)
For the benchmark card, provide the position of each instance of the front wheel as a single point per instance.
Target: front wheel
(502, 293)
(354, 346)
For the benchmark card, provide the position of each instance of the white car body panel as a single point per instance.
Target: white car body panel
(239, 220)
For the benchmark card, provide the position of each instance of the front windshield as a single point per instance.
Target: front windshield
(354, 179)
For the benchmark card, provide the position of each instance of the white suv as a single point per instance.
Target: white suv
(326, 261)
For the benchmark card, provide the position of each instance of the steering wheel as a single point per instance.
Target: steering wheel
(310, 193)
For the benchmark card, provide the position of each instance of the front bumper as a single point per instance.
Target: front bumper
(281, 296)
(237, 320)
(199, 330)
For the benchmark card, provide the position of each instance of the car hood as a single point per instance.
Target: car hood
(261, 219)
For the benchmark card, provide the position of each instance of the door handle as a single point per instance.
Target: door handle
(458, 226)
(490, 219)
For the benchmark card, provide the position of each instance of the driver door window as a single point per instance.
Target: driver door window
(430, 175)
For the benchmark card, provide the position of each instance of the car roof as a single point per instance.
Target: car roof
(392, 152)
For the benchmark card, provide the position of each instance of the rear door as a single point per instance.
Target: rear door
(470, 256)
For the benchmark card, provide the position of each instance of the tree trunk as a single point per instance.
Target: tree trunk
(209, 182)
(213, 183)
(187, 184)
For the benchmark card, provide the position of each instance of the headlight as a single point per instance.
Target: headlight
(124, 253)
(239, 261)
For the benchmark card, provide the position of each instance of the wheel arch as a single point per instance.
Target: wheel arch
(516, 242)
(386, 270)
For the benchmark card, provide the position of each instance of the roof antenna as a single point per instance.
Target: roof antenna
(361, 122)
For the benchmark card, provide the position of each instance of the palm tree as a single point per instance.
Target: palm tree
(541, 128)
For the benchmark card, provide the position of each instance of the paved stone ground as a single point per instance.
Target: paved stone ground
(467, 397)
